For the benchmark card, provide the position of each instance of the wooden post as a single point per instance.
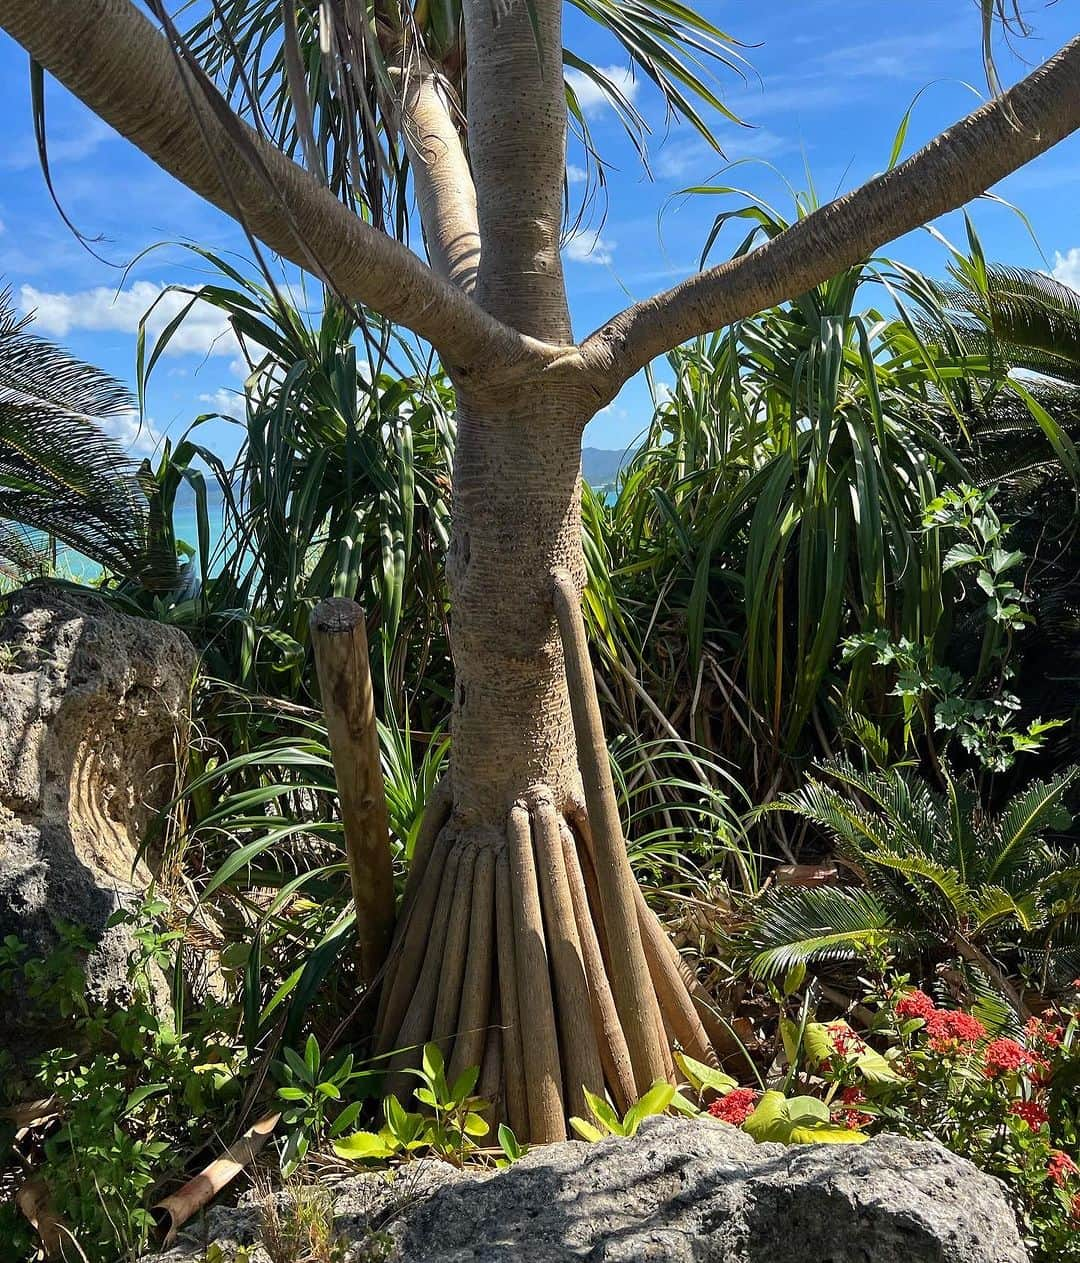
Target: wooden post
(339, 639)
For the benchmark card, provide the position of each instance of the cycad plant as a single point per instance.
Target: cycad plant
(938, 879)
(61, 476)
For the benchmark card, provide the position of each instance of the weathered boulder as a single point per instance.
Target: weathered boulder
(92, 704)
(684, 1192)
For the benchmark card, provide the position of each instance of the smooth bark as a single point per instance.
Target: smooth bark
(956, 166)
(122, 67)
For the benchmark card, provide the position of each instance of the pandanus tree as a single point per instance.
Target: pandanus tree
(522, 943)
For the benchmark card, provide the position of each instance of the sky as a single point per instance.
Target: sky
(823, 92)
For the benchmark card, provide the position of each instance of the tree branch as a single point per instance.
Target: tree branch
(958, 165)
(517, 146)
(123, 68)
(445, 193)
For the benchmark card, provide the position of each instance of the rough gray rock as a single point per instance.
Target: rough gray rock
(681, 1192)
(91, 705)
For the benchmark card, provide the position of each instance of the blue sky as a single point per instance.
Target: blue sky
(827, 84)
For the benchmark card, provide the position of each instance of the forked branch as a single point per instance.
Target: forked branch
(958, 165)
(123, 68)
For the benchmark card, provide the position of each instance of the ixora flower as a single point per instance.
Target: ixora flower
(851, 1118)
(736, 1107)
(1040, 1031)
(915, 1004)
(953, 1031)
(1003, 1056)
(1031, 1112)
(845, 1041)
(1061, 1168)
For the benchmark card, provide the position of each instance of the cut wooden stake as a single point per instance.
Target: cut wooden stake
(540, 1045)
(630, 979)
(339, 640)
(173, 1212)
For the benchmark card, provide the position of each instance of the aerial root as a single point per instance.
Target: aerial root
(472, 1038)
(614, 1055)
(505, 962)
(577, 1033)
(540, 1049)
(410, 942)
(514, 1100)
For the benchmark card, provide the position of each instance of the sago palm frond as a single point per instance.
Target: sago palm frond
(60, 473)
(1037, 809)
(832, 923)
(986, 885)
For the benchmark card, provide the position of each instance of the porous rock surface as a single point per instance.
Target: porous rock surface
(92, 702)
(680, 1191)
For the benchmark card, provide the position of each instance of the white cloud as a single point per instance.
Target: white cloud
(591, 97)
(204, 330)
(22, 153)
(1067, 267)
(587, 247)
(679, 158)
(230, 403)
(575, 174)
(136, 439)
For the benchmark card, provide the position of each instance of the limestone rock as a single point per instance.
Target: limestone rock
(92, 703)
(682, 1192)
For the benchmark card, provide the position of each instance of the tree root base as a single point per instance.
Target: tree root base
(502, 957)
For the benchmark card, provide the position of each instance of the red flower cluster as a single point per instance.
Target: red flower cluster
(846, 1043)
(953, 1031)
(1004, 1056)
(915, 1004)
(1040, 1031)
(736, 1107)
(851, 1118)
(1061, 1168)
(1031, 1112)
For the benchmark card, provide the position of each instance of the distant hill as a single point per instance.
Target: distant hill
(600, 465)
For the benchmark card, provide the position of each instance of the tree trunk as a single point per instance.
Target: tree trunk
(502, 953)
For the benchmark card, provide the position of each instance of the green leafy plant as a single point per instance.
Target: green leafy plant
(132, 1093)
(658, 1100)
(944, 879)
(511, 1147)
(315, 1094)
(449, 1125)
(797, 1120)
(937, 701)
